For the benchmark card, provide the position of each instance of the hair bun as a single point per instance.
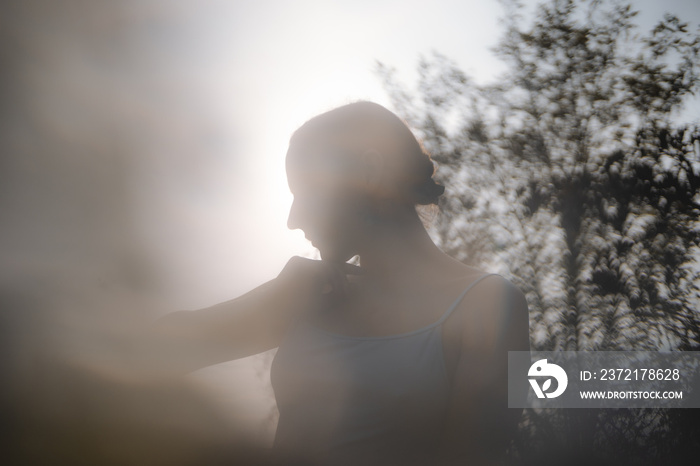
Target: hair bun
(426, 190)
(429, 192)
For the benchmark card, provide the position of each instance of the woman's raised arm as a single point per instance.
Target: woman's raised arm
(250, 324)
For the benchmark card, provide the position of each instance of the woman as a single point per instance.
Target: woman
(402, 360)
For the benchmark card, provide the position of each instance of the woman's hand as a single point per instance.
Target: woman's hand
(305, 285)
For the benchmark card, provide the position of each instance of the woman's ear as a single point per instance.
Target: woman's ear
(373, 166)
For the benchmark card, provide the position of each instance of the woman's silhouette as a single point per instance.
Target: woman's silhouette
(402, 360)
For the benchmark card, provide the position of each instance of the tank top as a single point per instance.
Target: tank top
(361, 400)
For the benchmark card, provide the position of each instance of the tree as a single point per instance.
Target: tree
(572, 177)
(571, 172)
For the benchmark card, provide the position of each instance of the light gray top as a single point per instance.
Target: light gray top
(362, 400)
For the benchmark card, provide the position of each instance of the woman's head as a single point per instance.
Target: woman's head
(357, 163)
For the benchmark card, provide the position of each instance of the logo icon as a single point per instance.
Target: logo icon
(542, 368)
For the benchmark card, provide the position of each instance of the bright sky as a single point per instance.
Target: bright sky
(229, 83)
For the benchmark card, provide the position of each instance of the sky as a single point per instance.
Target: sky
(144, 141)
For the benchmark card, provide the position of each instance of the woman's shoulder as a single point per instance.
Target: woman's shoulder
(483, 282)
(490, 298)
(468, 277)
(491, 316)
(496, 314)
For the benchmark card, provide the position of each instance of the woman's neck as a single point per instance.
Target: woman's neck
(402, 253)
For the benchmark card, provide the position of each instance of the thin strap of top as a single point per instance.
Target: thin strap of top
(461, 297)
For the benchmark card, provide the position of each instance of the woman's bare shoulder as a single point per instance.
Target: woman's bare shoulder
(489, 293)
(464, 275)
(494, 307)
(452, 270)
(489, 282)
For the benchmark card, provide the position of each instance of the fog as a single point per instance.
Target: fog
(118, 145)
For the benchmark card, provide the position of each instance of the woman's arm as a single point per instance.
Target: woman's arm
(480, 424)
(250, 324)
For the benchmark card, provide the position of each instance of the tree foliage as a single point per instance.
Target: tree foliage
(572, 176)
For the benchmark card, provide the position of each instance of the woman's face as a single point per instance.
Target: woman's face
(326, 209)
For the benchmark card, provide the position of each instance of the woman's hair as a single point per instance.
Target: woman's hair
(342, 136)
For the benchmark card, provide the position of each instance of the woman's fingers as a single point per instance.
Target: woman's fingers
(350, 269)
(337, 278)
(317, 276)
(340, 285)
(333, 279)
